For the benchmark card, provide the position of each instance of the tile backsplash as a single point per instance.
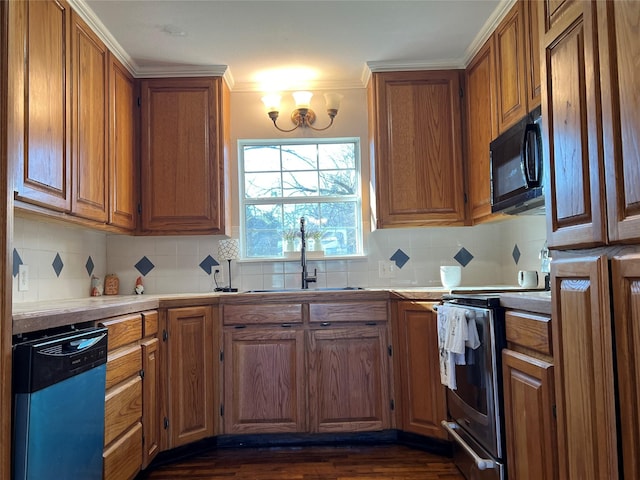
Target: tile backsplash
(62, 259)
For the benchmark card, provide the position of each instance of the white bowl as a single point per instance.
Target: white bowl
(450, 275)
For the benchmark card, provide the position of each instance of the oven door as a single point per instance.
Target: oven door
(474, 405)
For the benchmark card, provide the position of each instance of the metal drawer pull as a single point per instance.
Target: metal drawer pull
(481, 463)
(325, 324)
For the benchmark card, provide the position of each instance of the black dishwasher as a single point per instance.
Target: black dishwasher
(59, 387)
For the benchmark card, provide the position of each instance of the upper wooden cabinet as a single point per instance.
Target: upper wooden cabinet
(39, 114)
(591, 124)
(517, 64)
(481, 128)
(123, 165)
(416, 142)
(182, 155)
(619, 49)
(71, 132)
(89, 120)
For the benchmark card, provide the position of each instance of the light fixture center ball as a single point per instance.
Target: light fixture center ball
(310, 117)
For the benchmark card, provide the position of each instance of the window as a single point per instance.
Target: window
(282, 182)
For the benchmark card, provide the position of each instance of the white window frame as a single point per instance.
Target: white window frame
(357, 199)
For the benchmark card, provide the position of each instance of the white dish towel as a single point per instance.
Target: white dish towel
(456, 331)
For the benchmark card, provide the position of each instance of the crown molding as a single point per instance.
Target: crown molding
(487, 29)
(444, 64)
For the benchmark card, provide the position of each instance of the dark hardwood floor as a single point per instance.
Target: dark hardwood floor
(390, 462)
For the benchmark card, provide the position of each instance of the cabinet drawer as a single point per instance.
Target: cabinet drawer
(262, 314)
(123, 458)
(529, 330)
(123, 330)
(348, 312)
(122, 364)
(123, 408)
(149, 323)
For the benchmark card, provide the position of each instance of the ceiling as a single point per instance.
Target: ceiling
(287, 45)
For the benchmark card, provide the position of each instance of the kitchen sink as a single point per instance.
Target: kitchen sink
(328, 289)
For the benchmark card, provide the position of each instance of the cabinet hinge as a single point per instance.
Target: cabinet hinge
(165, 335)
(465, 197)
(166, 423)
(461, 92)
(139, 102)
(222, 355)
(390, 350)
(139, 208)
(392, 405)
(142, 373)
(555, 413)
(222, 410)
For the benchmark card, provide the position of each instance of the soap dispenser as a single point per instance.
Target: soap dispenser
(545, 266)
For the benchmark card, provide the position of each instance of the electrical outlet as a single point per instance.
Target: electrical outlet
(23, 278)
(386, 269)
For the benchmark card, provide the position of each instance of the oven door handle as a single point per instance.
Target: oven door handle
(481, 463)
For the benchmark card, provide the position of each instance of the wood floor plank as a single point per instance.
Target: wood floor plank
(388, 462)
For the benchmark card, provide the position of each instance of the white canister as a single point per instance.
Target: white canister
(528, 278)
(450, 275)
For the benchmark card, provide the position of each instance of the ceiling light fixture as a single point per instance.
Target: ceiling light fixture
(302, 116)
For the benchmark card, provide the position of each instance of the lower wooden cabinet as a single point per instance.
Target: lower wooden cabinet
(265, 380)
(530, 426)
(131, 407)
(189, 375)
(529, 397)
(423, 398)
(349, 379)
(306, 368)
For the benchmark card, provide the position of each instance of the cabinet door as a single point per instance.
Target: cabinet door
(510, 68)
(417, 142)
(530, 426)
(348, 379)
(190, 374)
(89, 122)
(532, 53)
(618, 24)
(570, 116)
(481, 128)
(626, 310)
(182, 156)
(150, 400)
(424, 401)
(123, 176)
(583, 354)
(264, 381)
(40, 96)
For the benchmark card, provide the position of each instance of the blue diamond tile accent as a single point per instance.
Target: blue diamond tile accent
(463, 257)
(89, 265)
(57, 265)
(144, 266)
(400, 258)
(207, 264)
(516, 254)
(17, 261)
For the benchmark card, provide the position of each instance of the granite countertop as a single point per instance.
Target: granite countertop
(32, 316)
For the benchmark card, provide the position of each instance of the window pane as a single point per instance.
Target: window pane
(340, 155)
(261, 158)
(293, 213)
(300, 184)
(338, 182)
(263, 230)
(261, 185)
(299, 157)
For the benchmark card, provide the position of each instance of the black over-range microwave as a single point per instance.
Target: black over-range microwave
(516, 168)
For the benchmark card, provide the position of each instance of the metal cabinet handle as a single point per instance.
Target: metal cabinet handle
(481, 463)
(325, 324)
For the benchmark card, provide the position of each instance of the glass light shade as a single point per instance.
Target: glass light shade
(302, 99)
(228, 249)
(271, 102)
(333, 100)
